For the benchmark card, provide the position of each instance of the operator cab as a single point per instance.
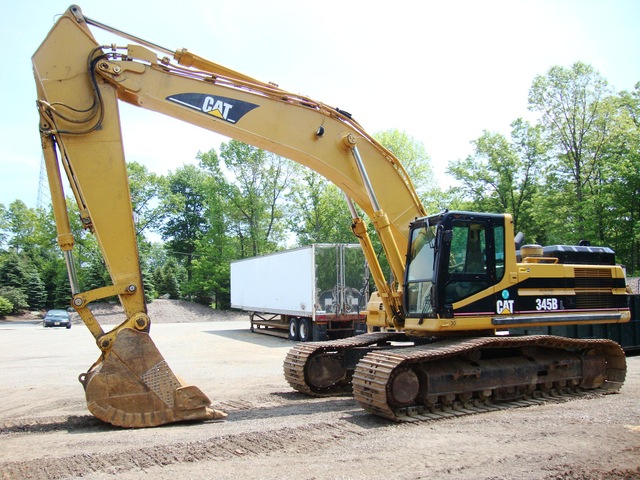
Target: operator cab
(451, 256)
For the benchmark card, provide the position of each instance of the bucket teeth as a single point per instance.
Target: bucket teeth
(133, 387)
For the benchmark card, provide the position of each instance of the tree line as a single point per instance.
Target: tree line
(570, 174)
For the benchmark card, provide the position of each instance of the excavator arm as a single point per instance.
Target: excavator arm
(79, 83)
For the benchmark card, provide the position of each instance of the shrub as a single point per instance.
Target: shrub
(5, 307)
(16, 298)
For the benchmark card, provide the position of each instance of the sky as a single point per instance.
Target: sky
(441, 71)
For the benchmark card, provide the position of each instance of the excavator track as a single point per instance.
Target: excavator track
(321, 368)
(456, 377)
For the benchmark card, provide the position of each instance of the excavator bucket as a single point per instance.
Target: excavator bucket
(133, 387)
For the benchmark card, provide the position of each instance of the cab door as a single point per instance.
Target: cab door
(472, 261)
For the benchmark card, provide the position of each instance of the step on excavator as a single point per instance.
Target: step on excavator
(439, 342)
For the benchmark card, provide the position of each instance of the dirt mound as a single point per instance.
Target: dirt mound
(24, 317)
(160, 311)
(166, 311)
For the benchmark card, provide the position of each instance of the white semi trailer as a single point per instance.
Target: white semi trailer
(311, 293)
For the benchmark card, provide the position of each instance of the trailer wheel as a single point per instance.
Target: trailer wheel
(293, 329)
(304, 329)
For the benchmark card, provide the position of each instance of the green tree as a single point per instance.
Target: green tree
(577, 118)
(254, 193)
(94, 273)
(501, 175)
(4, 227)
(156, 255)
(168, 278)
(19, 273)
(13, 270)
(16, 297)
(415, 160)
(59, 296)
(146, 189)
(31, 235)
(150, 291)
(210, 282)
(185, 222)
(317, 210)
(21, 221)
(35, 290)
(622, 180)
(5, 307)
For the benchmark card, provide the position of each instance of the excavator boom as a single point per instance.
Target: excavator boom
(79, 84)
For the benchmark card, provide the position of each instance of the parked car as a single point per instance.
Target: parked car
(57, 318)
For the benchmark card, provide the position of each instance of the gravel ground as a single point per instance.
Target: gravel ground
(273, 432)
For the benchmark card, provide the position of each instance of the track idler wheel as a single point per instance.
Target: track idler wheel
(403, 387)
(325, 370)
(134, 387)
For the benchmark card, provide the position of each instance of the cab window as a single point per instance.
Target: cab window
(468, 266)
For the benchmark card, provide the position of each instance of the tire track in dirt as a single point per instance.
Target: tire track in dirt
(51, 424)
(578, 472)
(288, 440)
(273, 405)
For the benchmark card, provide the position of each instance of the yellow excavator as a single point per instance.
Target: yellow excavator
(438, 342)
